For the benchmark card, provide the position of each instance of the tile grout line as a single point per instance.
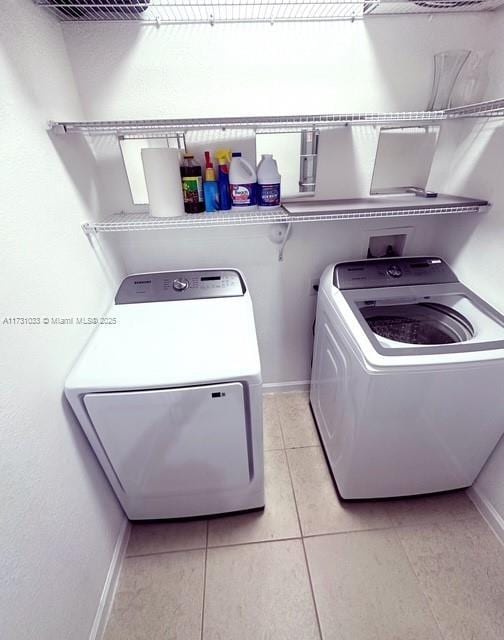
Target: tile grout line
(305, 446)
(294, 494)
(166, 552)
(277, 412)
(422, 590)
(311, 589)
(310, 582)
(204, 582)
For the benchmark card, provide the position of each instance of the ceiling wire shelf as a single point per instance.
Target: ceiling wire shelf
(259, 11)
(446, 205)
(270, 124)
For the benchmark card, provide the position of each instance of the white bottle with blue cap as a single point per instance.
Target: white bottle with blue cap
(268, 183)
(242, 182)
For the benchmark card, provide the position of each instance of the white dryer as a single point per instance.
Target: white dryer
(169, 393)
(408, 377)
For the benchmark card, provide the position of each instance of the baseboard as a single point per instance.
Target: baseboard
(110, 585)
(278, 387)
(488, 511)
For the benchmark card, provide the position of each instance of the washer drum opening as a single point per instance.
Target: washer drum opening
(420, 323)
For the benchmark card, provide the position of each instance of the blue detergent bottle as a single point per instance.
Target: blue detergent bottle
(210, 188)
(223, 157)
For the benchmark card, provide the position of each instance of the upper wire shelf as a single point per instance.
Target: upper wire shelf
(234, 11)
(150, 128)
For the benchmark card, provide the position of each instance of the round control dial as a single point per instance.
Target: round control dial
(180, 284)
(394, 271)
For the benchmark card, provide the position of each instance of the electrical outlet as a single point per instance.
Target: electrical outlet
(314, 285)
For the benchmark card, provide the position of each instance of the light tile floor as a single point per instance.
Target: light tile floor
(310, 567)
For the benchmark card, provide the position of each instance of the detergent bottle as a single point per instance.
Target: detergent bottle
(210, 189)
(223, 158)
(268, 183)
(192, 185)
(242, 180)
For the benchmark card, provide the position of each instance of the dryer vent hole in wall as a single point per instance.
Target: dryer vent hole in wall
(386, 246)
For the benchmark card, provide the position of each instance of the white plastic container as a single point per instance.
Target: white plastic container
(243, 184)
(268, 183)
(162, 178)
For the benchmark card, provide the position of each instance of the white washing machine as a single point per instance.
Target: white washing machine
(408, 377)
(169, 394)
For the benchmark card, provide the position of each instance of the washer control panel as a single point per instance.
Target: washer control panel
(167, 286)
(390, 272)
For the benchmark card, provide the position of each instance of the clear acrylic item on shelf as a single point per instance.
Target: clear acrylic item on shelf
(472, 83)
(447, 67)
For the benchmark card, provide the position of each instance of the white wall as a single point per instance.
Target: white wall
(133, 71)
(59, 520)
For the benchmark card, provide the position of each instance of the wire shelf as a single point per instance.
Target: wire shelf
(234, 11)
(146, 222)
(266, 124)
(488, 109)
(271, 124)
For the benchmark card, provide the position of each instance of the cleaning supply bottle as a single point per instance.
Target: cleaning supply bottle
(210, 189)
(223, 158)
(268, 183)
(242, 180)
(192, 185)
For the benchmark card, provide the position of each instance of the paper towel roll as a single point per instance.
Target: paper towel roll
(164, 186)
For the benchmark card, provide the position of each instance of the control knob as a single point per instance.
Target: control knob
(180, 284)
(394, 271)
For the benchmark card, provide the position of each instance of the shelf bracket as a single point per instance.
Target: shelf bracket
(89, 230)
(288, 229)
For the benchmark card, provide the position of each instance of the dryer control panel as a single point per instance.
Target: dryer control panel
(167, 286)
(390, 272)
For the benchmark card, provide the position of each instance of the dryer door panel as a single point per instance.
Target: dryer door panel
(183, 441)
